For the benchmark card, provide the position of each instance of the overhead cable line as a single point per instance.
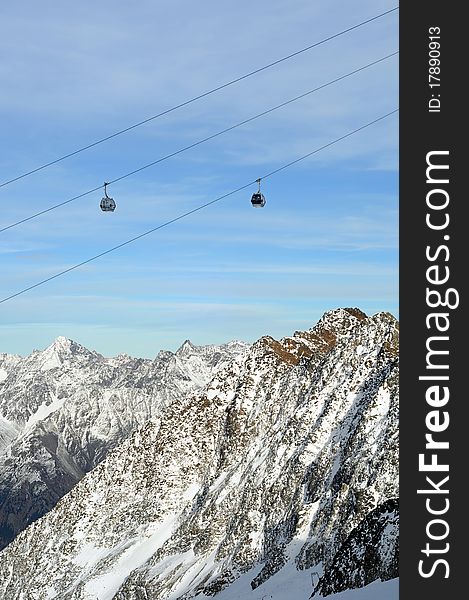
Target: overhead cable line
(199, 142)
(199, 97)
(198, 208)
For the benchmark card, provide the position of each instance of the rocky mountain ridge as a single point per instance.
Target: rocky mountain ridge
(287, 459)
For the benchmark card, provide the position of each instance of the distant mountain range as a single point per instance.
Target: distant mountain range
(64, 408)
(268, 471)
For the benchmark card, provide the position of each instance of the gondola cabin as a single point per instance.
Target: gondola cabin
(107, 204)
(258, 199)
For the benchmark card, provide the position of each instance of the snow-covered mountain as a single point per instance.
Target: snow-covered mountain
(285, 463)
(64, 408)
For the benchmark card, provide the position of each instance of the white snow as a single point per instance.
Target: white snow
(195, 571)
(190, 492)
(3, 374)
(378, 590)
(218, 481)
(89, 554)
(231, 484)
(104, 587)
(50, 592)
(291, 584)
(50, 361)
(44, 410)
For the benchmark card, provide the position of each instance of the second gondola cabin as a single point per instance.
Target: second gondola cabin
(107, 203)
(258, 199)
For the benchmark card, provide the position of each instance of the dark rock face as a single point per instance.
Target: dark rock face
(370, 552)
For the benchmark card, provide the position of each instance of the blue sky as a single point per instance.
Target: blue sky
(74, 72)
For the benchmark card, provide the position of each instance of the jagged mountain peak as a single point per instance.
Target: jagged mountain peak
(334, 325)
(233, 347)
(65, 345)
(312, 345)
(62, 342)
(62, 350)
(288, 350)
(315, 342)
(187, 347)
(340, 320)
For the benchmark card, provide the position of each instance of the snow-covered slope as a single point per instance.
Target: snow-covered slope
(64, 408)
(286, 462)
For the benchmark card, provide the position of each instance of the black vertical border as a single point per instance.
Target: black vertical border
(421, 132)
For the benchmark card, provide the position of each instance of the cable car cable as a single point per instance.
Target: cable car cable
(198, 208)
(195, 98)
(198, 143)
